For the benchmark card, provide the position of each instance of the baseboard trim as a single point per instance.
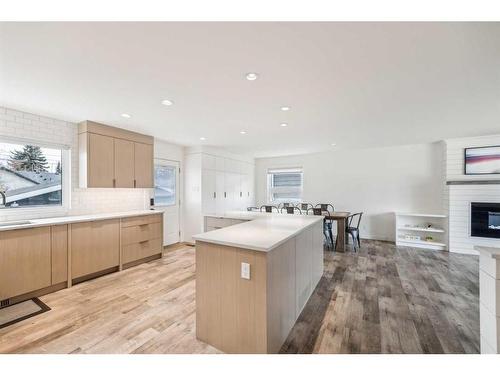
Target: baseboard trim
(37, 293)
(95, 275)
(142, 260)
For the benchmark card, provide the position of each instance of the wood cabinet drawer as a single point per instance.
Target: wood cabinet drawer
(140, 220)
(140, 233)
(141, 250)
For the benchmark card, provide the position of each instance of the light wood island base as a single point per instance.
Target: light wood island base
(238, 315)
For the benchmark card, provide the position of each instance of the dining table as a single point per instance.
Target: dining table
(341, 218)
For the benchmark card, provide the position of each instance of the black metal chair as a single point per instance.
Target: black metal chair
(327, 208)
(284, 205)
(268, 209)
(353, 230)
(291, 210)
(314, 211)
(252, 208)
(328, 237)
(304, 206)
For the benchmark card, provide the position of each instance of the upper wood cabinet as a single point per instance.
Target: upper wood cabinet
(125, 163)
(112, 157)
(100, 161)
(143, 165)
(25, 261)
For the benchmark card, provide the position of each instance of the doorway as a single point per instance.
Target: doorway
(167, 198)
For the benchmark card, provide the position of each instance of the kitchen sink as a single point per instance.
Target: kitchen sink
(11, 223)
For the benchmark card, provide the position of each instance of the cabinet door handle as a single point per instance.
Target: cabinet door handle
(215, 195)
(241, 194)
(135, 183)
(248, 193)
(224, 194)
(114, 182)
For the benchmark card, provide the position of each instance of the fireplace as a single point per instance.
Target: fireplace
(485, 220)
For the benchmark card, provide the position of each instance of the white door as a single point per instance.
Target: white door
(167, 198)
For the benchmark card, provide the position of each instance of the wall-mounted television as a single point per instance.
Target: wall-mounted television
(482, 160)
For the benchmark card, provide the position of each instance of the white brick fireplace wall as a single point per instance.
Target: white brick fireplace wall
(459, 197)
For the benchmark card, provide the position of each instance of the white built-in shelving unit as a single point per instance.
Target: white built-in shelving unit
(426, 231)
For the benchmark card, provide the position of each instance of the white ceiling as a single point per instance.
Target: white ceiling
(355, 84)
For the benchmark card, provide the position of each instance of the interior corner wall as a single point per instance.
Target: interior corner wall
(375, 181)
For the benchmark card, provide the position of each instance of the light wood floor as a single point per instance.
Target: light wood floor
(382, 299)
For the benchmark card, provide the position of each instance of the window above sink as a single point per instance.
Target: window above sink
(32, 174)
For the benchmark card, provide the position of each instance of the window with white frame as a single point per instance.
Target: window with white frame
(284, 185)
(32, 174)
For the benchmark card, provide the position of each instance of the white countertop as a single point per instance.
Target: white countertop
(493, 252)
(243, 215)
(263, 231)
(73, 219)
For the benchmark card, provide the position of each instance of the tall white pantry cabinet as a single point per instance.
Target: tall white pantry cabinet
(214, 185)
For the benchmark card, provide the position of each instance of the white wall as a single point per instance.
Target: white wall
(460, 196)
(31, 127)
(376, 181)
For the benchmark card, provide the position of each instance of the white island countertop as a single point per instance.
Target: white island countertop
(263, 231)
(493, 252)
(31, 223)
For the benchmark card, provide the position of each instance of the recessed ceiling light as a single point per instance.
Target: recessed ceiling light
(167, 102)
(202, 138)
(334, 144)
(284, 124)
(285, 108)
(252, 76)
(126, 115)
(243, 132)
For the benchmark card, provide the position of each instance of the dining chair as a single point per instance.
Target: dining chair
(304, 206)
(314, 211)
(328, 234)
(283, 205)
(291, 210)
(353, 230)
(252, 208)
(268, 208)
(327, 208)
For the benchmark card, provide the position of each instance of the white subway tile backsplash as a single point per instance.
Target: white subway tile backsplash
(17, 124)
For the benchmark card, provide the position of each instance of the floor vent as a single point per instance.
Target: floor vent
(4, 303)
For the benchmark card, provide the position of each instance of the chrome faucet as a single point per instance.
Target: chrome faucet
(4, 199)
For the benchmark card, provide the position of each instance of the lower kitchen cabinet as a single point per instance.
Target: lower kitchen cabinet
(95, 247)
(25, 261)
(40, 260)
(141, 238)
(140, 250)
(59, 253)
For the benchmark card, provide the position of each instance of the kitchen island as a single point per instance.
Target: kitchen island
(254, 278)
